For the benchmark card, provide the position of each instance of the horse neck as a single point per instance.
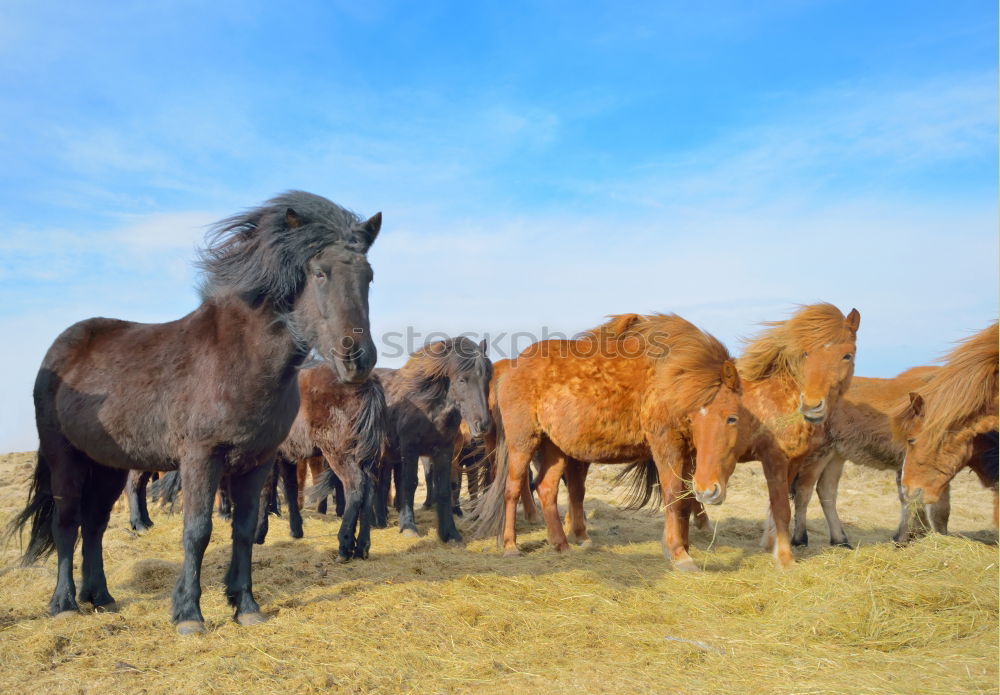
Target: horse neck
(261, 340)
(774, 403)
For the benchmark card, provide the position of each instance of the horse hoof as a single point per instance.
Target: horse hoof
(512, 552)
(842, 544)
(686, 566)
(63, 615)
(190, 627)
(410, 533)
(248, 619)
(587, 544)
(343, 559)
(800, 542)
(107, 608)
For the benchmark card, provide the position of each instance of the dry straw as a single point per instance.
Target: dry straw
(419, 617)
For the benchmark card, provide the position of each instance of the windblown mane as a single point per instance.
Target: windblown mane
(780, 349)
(258, 256)
(425, 375)
(688, 357)
(962, 390)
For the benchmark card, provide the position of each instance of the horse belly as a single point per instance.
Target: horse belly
(592, 431)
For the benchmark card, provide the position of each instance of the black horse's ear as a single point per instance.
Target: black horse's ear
(292, 219)
(482, 346)
(369, 229)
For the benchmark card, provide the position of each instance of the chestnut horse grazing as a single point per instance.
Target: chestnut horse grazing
(441, 385)
(659, 389)
(212, 393)
(952, 420)
(860, 430)
(345, 424)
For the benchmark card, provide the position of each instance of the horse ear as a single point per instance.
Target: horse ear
(730, 377)
(917, 404)
(482, 346)
(854, 320)
(369, 229)
(292, 219)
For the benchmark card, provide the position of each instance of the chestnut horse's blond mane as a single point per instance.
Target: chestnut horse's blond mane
(688, 357)
(781, 348)
(962, 390)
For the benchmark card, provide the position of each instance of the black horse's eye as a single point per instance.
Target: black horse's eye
(319, 274)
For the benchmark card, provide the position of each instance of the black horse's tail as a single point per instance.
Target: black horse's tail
(489, 510)
(166, 489)
(642, 485)
(40, 510)
(369, 429)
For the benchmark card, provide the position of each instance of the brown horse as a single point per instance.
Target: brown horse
(950, 421)
(441, 385)
(793, 376)
(345, 424)
(660, 389)
(860, 430)
(212, 393)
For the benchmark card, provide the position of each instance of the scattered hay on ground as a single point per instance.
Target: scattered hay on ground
(419, 617)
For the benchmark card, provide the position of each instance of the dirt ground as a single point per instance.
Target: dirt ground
(421, 617)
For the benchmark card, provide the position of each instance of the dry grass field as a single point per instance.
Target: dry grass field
(420, 617)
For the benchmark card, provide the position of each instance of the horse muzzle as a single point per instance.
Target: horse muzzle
(715, 495)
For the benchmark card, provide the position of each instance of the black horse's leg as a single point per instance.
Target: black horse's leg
(262, 507)
(441, 472)
(290, 480)
(364, 543)
(339, 501)
(405, 493)
(68, 471)
(100, 491)
(380, 508)
(425, 463)
(245, 489)
(135, 491)
(199, 480)
(349, 473)
(225, 501)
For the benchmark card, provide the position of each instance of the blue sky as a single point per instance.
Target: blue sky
(537, 164)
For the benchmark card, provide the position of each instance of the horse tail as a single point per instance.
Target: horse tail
(166, 488)
(642, 485)
(489, 510)
(369, 428)
(322, 488)
(40, 511)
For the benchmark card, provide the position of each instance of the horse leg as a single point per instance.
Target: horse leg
(528, 500)
(455, 482)
(805, 483)
(576, 485)
(301, 470)
(406, 488)
(364, 543)
(776, 469)
(517, 466)
(553, 466)
(68, 473)
(380, 507)
(290, 481)
(669, 458)
(246, 489)
(339, 498)
(199, 479)
(441, 475)
(426, 463)
(263, 520)
(349, 473)
(939, 512)
(100, 492)
(135, 493)
(826, 490)
(225, 501)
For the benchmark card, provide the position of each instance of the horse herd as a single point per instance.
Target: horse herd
(227, 399)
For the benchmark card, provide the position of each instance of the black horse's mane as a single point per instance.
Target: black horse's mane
(259, 256)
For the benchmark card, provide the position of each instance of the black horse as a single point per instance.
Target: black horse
(439, 386)
(212, 393)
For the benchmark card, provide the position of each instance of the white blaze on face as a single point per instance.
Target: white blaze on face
(703, 412)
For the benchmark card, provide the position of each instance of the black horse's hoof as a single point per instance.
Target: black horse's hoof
(799, 541)
(409, 532)
(842, 544)
(342, 559)
(248, 619)
(361, 554)
(190, 627)
(457, 511)
(295, 533)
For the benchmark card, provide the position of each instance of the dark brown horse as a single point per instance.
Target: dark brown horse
(212, 393)
(441, 385)
(651, 387)
(345, 424)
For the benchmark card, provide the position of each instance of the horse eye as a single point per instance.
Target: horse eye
(731, 420)
(911, 441)
(848, 356)
(319, 274)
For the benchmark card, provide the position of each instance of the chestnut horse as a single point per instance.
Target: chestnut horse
(441, 385)
(793, 376)
(345, 424)
(659, 390)
(212, 393)
(951, 421)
